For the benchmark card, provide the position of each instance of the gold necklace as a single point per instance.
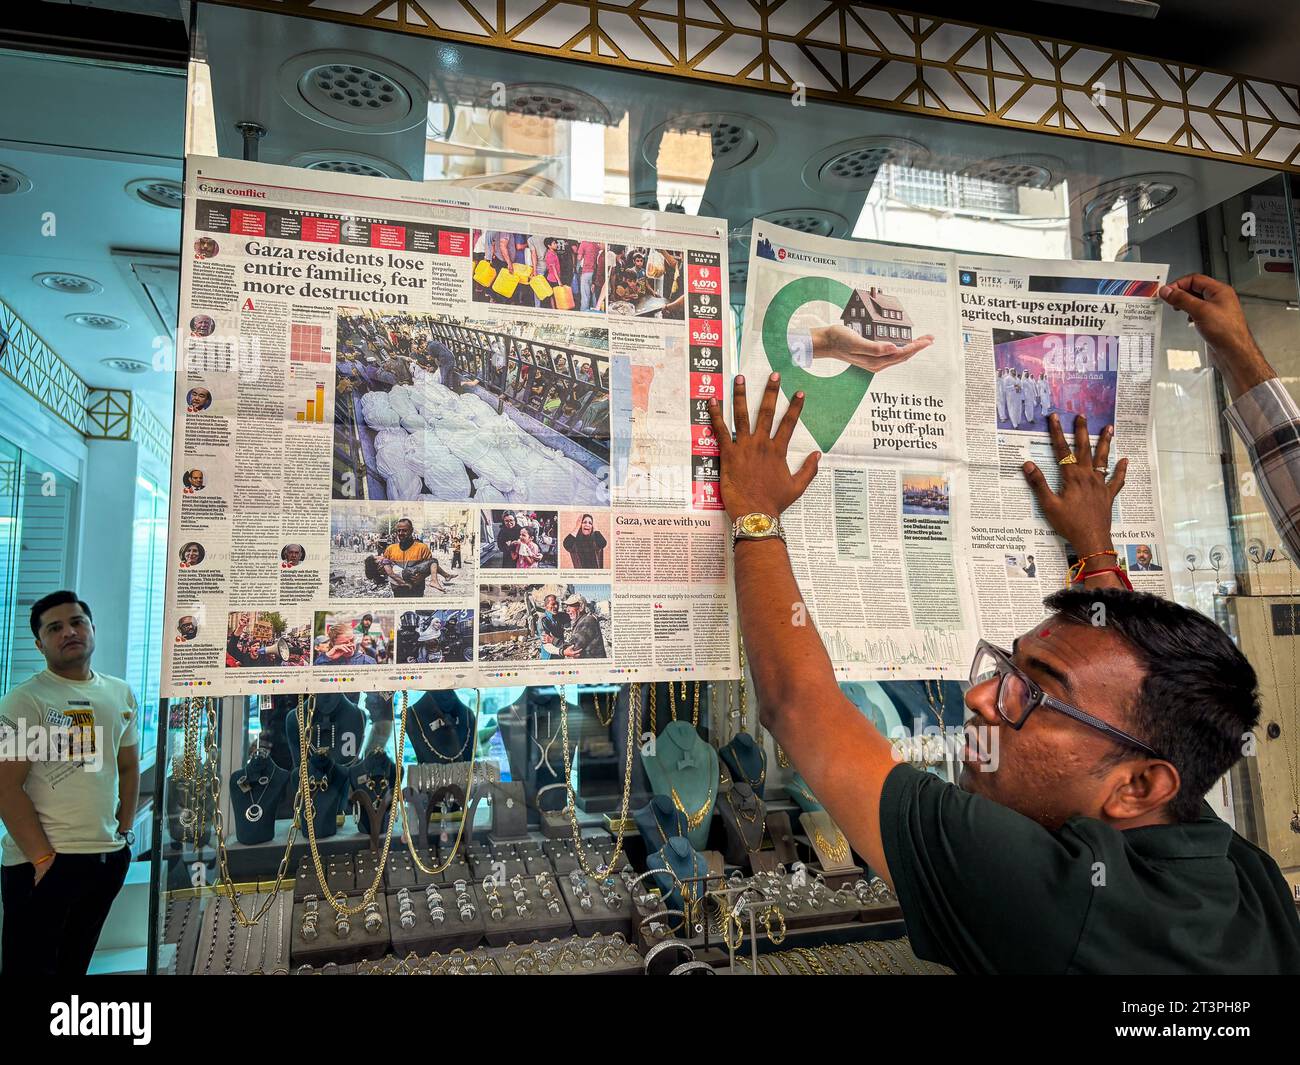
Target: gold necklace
(693, 820)
(224, 879)
(939, 710)
(836, 850)
(633, 731)
(399, 801)
(695, 708)
(654, 700)
(339, 902)
(608, 719)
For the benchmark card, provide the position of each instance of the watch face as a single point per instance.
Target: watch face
(754, 524)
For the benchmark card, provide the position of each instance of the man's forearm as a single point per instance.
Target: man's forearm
(786, 655)
(23, 824)
(128, 797)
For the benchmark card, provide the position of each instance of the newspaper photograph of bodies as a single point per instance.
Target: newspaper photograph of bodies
(434, 437)
(936, 538)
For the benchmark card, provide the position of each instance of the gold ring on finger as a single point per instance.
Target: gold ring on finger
(1069, 460)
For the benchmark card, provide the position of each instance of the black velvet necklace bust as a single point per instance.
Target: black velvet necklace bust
(337, 727)
(255, 792)
(370, 786)
(328, 784)
(744, 816)
(747, 761)
(679, 857)
(438, 727)
(658, 821)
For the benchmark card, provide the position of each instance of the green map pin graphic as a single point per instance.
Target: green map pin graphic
(832, 401)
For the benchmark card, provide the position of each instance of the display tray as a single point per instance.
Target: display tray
(838, 878)
(455, 931)
(493, 865)
(366, 864)
(570, 957)
(403, 873)
(457, 870)
(600, 919)
(453, 963)
(330, 947)
(539, 925)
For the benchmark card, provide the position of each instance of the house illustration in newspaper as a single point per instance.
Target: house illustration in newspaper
(874, 315)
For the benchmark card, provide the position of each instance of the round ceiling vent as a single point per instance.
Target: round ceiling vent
(70, 284)
(354, 164)
(102, 322)
(542, 100)
(850, 166)
(131, 366)
(1019, 171)
(353, 91)
(157, 192)
(13, 181)
(736, 139)
(1144, 194)
(814, 220)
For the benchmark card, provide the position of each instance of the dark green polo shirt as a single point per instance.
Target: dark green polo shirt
(987, 890)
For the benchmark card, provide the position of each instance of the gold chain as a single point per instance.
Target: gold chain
(937, 710)
(695, 709)
(672, 699)
(654, 700)
(339, 902)
(224, 878)
(608, 719)
(633, 733)
(469, 787)
(693, 820)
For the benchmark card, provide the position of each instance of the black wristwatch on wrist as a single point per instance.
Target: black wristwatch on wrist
(128, 836)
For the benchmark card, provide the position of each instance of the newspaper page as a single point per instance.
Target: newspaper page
(919, 533)
(428, 437)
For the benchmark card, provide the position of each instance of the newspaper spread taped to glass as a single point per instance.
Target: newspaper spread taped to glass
(432, 437)
(919, 534)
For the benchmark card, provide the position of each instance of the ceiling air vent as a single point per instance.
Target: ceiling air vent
(157, 192)
(13, 181)
(736, 139)
(812, 220)
(103, 322)
(69, 284)
(354, 164)
(1019, 171)
(131, 366)
(851, 166)
(353, 91)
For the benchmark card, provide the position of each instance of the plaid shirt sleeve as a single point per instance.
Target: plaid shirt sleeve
(1268, 422)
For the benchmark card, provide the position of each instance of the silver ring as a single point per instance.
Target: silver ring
(1103, 470)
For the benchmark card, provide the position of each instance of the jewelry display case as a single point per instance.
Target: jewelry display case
(450, 859)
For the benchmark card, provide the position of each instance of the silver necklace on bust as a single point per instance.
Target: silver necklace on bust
(254, 812)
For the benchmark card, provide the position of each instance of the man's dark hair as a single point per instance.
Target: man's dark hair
(1198, 699)
(49, 602)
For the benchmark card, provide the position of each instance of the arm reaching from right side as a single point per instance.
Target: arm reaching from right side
(1262, 411)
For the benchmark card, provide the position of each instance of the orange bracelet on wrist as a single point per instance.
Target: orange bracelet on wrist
(1077, 568)
(41, 861)
(1123, 577)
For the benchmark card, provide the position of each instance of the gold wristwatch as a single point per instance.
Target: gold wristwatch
(756, 526)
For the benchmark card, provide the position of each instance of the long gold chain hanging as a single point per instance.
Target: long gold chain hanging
(339, 902)
(400, 743)
(224, 880)
(695, 709)
(672, 701)
(608, 718)
(633, 732)
(654, 701)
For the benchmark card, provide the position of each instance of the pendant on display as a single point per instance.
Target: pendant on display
(187, 818)
(253, 813)
(1295, 821)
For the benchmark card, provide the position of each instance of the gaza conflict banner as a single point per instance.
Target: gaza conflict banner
(929, 377)
(429, 438)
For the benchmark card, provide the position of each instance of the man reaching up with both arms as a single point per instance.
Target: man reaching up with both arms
(1088, 847)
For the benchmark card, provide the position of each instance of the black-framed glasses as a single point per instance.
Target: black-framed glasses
(1018, 696)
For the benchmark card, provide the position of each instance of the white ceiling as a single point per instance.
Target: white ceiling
(81, 133)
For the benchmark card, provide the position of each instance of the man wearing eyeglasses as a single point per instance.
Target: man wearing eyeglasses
(1086, 846)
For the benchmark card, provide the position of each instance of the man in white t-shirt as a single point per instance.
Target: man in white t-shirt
(69, 783)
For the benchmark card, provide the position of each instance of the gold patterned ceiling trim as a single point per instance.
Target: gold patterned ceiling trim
(876, 57)
(94, 413)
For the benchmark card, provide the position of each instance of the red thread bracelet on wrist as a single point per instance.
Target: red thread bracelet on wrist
(1097, 572)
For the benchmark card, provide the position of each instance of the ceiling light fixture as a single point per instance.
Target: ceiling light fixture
(157, 192)
(1135, 8)
(102, 322)
(69, 284)
(131, 366)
